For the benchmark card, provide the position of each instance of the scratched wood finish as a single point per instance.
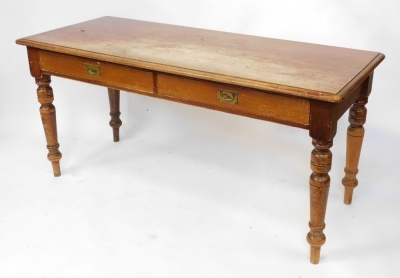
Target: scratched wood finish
(271, 106)
(286, 67)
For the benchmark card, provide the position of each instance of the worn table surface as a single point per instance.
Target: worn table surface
(287, 67)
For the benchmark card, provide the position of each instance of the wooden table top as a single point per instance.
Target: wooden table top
(287, 67)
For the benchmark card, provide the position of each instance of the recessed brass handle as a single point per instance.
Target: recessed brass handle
(92, 70)
(227, 96)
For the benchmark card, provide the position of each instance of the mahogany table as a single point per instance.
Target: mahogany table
(298, 84)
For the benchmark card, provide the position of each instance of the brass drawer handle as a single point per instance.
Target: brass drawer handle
(227, 96)
(92, 70)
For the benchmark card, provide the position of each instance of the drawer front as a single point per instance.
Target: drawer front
(101, 73)
(235, 99)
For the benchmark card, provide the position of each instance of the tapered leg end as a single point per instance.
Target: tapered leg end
(116, 134)
(348, 195)
(315, 254)
(56, 169)
(315, 243)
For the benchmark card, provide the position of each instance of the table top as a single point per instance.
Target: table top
(286, 67)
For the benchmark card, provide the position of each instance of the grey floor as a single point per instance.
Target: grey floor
(187, 192)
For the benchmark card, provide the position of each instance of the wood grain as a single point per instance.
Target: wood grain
(34, 62)
(323, 119)
(304, 85)
(355, 136)
(321, 162)
(287, 67)
(264, 104)
(126, 77)
(115, 122)
(48, 115)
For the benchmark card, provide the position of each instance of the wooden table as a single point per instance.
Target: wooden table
(297, 84)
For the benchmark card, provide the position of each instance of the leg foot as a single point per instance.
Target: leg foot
(115, 122)
(348, 195)
(316, 239)
(48, 115)
(56, 168)
(315, 254)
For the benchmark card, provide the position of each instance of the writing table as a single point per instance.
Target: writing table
(302, 85)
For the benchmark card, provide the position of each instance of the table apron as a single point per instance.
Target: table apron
(252, 103)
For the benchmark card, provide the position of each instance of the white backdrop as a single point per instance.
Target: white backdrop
(190, 192)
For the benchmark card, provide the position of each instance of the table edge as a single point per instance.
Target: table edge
(361, 76)
(250, 83)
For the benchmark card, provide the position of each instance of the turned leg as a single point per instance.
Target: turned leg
(355, 135)
(321, 159)
(115, 122)
(48, 115)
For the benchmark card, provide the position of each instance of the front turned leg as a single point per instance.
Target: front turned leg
(48, 115)
(115, 122)
(355, 135)
(321, 159)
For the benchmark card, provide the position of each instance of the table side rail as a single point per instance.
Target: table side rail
(252, 103)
